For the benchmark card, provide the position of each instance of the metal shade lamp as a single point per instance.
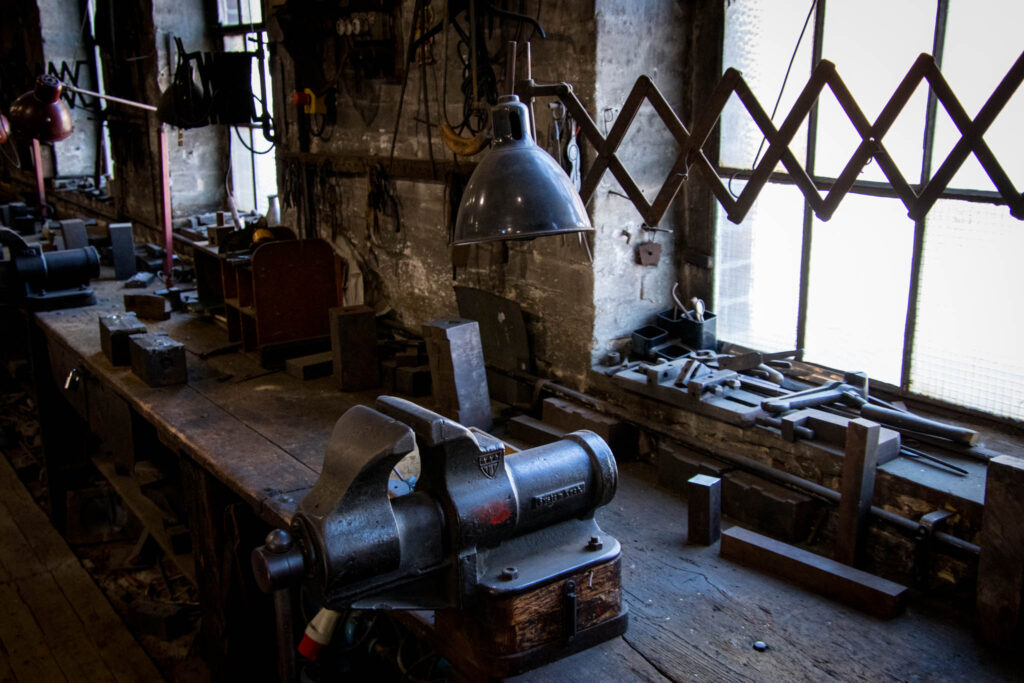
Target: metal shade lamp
(40, 114)
(518, 191)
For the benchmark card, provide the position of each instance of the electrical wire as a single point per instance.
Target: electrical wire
(782, 89)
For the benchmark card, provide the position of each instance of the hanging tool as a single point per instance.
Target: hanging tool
(572, 155)
(698, 309)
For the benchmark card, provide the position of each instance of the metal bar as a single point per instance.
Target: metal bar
(165, 196)
(109, 98)
(817, 49)
(917, 255)
(37, 160)
(870, 188)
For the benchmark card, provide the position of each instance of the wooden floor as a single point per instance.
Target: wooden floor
(55, 623)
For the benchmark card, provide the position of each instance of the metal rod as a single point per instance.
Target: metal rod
(37, 159)
(510, 67)
(744, 463)
(529, 100)
(109, 98)
(808, 223)
(917, 255)
(165, 196)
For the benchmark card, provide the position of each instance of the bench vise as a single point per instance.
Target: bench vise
(503, 546)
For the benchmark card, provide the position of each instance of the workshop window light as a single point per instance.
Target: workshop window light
(941, 321)
(253, 164)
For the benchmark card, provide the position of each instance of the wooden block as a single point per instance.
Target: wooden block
(856, 588)
(533, 431)
(310, 367)
(1001, 565)
(677, 464)
(122, 244)
(412, 380)
(147, 306)
(115, 329)
(766, 506)
(620, 436)
(216, 234)
(457, 371)
(857, 489)
(158, 360)
(704, 509)
(354, 347)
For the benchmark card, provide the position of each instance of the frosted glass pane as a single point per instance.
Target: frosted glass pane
(873, 43)
(759, 39)
(983, 39)
(970, 318)
(859, 284)
(758, 271)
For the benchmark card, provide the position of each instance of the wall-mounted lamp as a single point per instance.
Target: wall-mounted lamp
(42, 115)
(518, 191)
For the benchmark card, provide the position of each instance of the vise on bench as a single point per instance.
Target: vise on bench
(504, 546)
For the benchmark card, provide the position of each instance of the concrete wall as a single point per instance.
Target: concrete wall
(61, 24)
(575, 308)
(634, 37)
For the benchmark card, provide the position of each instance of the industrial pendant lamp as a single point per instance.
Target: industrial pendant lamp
(518, 191)
(40, 113)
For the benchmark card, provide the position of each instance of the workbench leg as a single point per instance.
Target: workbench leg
(238, 628)
(63, 431)
(857, 488)
(1001, 564)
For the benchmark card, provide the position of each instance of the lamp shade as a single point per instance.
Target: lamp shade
(5, 129)
(517, 191)
(40, 113)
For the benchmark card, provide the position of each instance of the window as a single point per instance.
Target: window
(253, 165)
(930, 305)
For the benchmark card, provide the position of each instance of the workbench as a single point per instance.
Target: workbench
(249, 444)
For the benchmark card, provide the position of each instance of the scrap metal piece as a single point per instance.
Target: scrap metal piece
(158, 360)
(115, 329)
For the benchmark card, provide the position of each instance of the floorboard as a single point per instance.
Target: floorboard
(55, 623)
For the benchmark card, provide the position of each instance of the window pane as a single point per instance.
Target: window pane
(982, 42)
(970, 317)
(859, 284)
(760, 36)
(873, 43)
(758, 271)
(232, 12)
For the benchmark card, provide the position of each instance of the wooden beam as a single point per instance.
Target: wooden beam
(856, 588)
(857, 489)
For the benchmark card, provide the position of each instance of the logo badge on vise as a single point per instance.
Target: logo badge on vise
(489, 463)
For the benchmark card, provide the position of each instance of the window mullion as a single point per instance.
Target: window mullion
(938, 45)
(808, 228)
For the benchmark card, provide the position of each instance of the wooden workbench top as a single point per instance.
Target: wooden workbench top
(692, 614)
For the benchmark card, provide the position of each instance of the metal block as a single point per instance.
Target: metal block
(75, 235)
(147, 306)
(704, 509)
(354, 345)
(158, 360)
(457, 371)
(413, 380)
(122, 244)
(115, 329)
(310, 367)
(857, 489)
(534, 432)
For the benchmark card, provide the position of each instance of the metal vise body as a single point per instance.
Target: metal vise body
(479, 523)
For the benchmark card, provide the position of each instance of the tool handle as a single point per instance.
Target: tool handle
(895, 418)
(798, 401)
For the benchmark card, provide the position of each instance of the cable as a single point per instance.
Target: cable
(782, 89)
(792, 58)
(247, 147)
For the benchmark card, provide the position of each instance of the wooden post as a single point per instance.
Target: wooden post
(857, 489)
(703, 509)
(1001, 565)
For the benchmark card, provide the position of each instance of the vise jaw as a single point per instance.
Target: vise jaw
(481, 525)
